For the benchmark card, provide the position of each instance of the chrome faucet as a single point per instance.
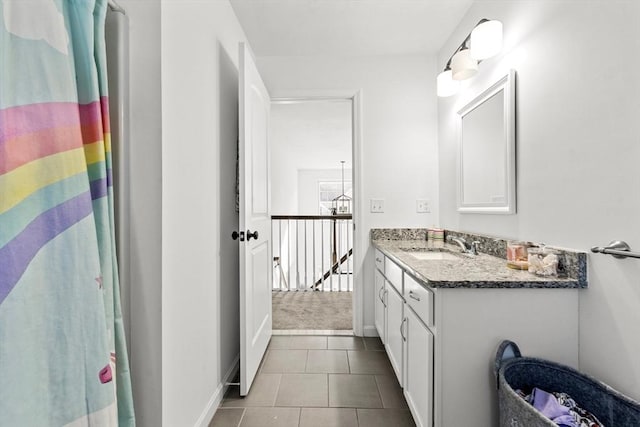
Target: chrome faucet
(464, 246)
(460, 241)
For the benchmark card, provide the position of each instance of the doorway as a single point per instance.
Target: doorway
(312, 196)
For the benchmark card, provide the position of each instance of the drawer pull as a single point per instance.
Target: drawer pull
(414, 296)
(402, 329)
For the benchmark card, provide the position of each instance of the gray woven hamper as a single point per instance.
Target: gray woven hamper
(514, 372)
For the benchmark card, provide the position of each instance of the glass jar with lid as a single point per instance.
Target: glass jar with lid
(517, 257)
(543, 261)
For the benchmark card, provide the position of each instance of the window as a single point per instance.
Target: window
(329, 190)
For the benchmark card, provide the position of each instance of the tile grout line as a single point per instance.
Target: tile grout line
(244, 410)
(275, 398)
(375, 379)
(328, 401)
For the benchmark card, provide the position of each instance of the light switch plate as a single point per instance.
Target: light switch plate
(423, 206)
(377, 205)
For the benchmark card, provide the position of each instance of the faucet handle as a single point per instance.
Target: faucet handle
(475, 245)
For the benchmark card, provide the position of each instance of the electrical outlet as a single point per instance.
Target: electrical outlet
(377, 205)
(422, 206)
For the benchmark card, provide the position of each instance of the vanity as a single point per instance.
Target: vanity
(442, 313)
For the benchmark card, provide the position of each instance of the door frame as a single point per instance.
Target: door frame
(359, 241)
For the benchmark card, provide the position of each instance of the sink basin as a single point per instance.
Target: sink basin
(433, 256)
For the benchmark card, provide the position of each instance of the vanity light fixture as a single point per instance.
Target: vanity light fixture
(483, 42)
(446, 85)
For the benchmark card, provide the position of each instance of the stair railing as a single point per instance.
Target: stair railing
(312, 252)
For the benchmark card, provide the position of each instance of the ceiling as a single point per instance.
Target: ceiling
(348, 27)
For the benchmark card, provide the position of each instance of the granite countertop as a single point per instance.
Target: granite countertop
(467, 271)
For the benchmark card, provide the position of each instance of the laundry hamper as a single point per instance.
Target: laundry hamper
(516, 372)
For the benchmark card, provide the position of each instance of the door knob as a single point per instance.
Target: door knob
(252, 235)
(235, 235)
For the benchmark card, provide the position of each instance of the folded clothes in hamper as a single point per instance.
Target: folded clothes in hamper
(560, 408)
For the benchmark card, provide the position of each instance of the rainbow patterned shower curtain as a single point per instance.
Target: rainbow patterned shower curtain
(63, 360)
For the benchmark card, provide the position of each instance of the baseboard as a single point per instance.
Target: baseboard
(218, 394)
(370, 331)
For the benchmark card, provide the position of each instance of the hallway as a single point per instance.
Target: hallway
(312, 311)
(328, 381)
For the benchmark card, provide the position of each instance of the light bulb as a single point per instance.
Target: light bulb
(446, 86)
(463, 65)
(486, 40)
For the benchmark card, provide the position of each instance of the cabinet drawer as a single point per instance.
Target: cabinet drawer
(393, 274)
(379, 258)
(419, 298)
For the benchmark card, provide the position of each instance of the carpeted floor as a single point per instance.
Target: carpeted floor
(312, 310)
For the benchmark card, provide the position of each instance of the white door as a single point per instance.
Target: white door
(255, 220)
(394, 337)
(418, 385)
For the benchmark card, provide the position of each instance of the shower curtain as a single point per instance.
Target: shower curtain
(63, 360)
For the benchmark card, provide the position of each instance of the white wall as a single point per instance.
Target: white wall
(399, 148)
(200, 321)
(578, 103)
(305, 135)
(145, 211)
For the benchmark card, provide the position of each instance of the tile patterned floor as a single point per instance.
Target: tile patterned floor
(319, 381)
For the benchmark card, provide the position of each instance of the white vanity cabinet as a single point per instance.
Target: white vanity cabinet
(441, 341)
(418, 385)
(389, 311)
(419, 355)
(395, 335)
(379, 260)
(394, 338)
(380, 305)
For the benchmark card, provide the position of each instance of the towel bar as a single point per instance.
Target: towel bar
(617, 248)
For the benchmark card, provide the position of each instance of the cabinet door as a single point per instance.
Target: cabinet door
(394, 338)
(418, 387)
(380, 304)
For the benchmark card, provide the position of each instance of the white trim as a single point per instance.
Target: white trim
(506, 84)
(359, 251)
(359, 248)
(305, 99)
(333, 332)
(370, 331)
(214, 403)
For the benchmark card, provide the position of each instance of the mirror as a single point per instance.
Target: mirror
(486, 151)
